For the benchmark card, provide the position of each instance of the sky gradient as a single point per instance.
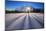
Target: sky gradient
(12, 5)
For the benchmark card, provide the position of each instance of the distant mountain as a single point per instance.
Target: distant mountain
(26, 9)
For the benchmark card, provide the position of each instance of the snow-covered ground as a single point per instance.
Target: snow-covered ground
(24, 21)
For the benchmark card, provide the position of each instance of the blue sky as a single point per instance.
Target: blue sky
(12, 5)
